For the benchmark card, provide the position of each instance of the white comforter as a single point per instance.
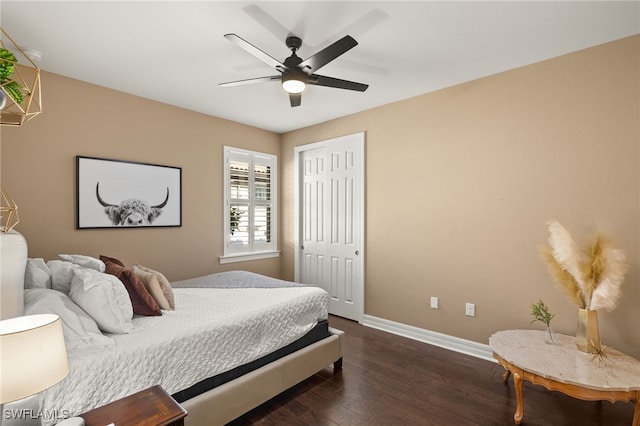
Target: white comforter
(211, 331)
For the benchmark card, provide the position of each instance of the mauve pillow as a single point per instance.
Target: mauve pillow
(142, 301)
(106, 259)
(150, 277)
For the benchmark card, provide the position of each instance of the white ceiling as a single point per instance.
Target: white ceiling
(174, 51)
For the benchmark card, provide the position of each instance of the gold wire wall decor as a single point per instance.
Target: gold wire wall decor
(20, 88)
(8, 212)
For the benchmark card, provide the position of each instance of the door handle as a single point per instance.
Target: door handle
(357, 252)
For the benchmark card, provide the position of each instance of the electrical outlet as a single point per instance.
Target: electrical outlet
(434, 302)
(470, 310)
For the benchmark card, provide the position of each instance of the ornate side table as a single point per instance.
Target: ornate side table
(562, 367)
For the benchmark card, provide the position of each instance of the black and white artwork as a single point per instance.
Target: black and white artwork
(123, 194)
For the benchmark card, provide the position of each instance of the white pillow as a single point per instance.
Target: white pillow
(37, 274)
(80, 331)
(61, 274)
(105, 298)
(86, 261)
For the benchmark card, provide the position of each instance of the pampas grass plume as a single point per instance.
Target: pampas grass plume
(563, 278)
(608, 289)
(592, 280)
(566, 253)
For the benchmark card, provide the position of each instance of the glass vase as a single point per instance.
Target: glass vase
(549, 336)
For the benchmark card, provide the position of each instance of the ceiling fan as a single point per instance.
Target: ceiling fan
(297, 73)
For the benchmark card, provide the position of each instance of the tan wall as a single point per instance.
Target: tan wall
(38, 169)
(460, 183)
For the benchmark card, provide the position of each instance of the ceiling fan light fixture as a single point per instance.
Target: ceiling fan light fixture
(297, 73)
(293, 84)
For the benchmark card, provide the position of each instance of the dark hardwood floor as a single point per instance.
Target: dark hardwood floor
(391, 380)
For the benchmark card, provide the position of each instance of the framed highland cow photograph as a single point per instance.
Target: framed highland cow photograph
(124, 194)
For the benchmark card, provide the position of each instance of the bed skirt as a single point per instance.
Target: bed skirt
(227, 402)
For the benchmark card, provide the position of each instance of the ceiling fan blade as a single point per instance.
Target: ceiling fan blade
(264, 57)
(295, 99)
(250, 81)
(328, 54)
(321, 80)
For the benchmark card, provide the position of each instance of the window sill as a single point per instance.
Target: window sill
(243, 257)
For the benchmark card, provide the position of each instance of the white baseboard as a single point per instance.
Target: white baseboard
(444, 341)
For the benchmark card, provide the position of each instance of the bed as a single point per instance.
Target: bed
(228, 342)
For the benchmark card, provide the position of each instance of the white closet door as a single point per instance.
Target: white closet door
(330, 221)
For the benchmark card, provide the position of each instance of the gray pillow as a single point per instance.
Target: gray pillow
(81, 332)
(37, 274)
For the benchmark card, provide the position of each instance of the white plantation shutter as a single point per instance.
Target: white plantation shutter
(250, 202)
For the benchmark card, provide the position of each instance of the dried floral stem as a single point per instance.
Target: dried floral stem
(600, 354)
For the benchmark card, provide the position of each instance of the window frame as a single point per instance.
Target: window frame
(253, 250)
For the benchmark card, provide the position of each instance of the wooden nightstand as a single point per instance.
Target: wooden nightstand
(150, 407)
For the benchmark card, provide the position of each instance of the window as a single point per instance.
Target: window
(250, 200)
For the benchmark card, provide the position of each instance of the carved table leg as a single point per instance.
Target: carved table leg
(517, 381)
(506, 375)
(636, 414)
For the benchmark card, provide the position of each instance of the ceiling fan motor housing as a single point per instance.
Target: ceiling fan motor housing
(293, 42)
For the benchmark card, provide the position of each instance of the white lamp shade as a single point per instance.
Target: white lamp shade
(33, 356)
(293, 86)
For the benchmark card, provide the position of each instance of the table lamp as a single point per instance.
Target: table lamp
(33, 356)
